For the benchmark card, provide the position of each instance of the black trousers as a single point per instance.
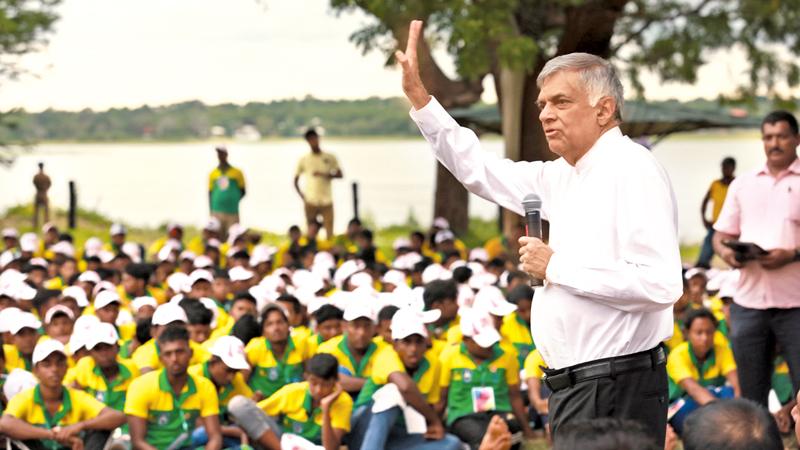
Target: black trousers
(755, 336)
(92, 440)
(641, 396)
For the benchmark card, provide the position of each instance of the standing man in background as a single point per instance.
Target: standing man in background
(42, 184)
(318, 169)
(225, 191)
(716, 193)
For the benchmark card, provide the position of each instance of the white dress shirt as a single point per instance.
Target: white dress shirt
(616, 269)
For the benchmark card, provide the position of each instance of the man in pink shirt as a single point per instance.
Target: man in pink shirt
(763, 207)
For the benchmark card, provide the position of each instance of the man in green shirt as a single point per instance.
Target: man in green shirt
(225, 190)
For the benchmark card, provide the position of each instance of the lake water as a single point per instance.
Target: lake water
(150, 184)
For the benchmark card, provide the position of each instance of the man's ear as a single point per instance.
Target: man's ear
(606, 108)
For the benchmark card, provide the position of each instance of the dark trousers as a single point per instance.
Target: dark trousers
(641, 396)
(471, 428)
(755, 335)
(93, 440)
(706, 250)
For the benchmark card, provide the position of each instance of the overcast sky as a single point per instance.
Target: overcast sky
(133, 52)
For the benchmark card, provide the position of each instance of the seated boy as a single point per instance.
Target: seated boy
(52, 416)
(317, 409)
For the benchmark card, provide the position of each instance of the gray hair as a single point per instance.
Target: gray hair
(598, 75)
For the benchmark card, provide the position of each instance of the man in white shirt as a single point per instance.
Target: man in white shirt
(612, 268)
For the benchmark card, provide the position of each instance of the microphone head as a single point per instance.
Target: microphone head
(531, 202)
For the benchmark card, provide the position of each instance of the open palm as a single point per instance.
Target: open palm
(412, 83)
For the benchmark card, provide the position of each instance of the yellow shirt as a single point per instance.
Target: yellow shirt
(518, 333)
(682, 364)
(146, 355)
(316, 189)
(301, 333)
(90, 378)
(347, 363)
(269, 374)
(150, 397)
(76, 406)
(293, 405)
(387, 362)
(237, 387)
(717, 193)
(533, 365)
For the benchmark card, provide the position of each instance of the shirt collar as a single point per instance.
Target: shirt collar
(188, 389)
(587, 160)
(794, 167)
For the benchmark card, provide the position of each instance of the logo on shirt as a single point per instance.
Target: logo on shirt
(467, 376)
(100, 396)
(273, 373)
(297, 427)
(163, 419)
(223, 183)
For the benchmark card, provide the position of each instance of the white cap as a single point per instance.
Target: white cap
(178, 282)
(48, 317)
(92, 247)
(7, 317)
(106, 256)
(21, 291)
(138, 302)
(215, 243)
(187, 254)
(444, 235)
(49, 226)
(63, 248)
(346, 270)
(406, 322)
(729, 285)
(102, 333)
(213, 224)
(83, 326)
(199, 275)
(174, 226)
(435, 272)
(23, 320)
(7, 257)
(239, 273)
(235, 231)
(39, 262)
(492, 300)
(401, 242)
(168, 313)
(90, 276)
(231, 351)
(221, 148)
(28, 242)
(482, 280)
(307, 280)
(361, 279)
(103, 286)
(46, 348)
(394, 277)
(203, 262)
(479, 325)
(456, 264)
(407, 262)
(261, 254)
(18, 380)
(133, 251)
(476, 268)
(124, 317)
(117, 228)
(324, 260)
(479, 254)
(694, 271)
(441, 222)
(105, 298)
(358, 307)
(10, 232)
(466, 296)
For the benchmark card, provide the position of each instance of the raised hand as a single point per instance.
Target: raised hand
(412, 83)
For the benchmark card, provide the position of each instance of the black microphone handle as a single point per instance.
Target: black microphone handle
(533, 223)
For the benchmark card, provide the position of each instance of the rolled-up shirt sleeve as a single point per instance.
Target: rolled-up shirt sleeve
(498, 180)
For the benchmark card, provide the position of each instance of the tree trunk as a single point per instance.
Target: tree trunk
(451, 200)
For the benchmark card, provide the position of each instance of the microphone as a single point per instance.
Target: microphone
(532, 204)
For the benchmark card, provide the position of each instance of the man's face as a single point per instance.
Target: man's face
(780, 143)
(276, 327)
(199, 332)
(329, 329)
(175, 356)
(50, 371)
(295, 318)
(108, 313)
(242, 307)
(360, 333)
(104, 355)
(37, 276)
(524, 310)
(313, 141)
(145, 312)
(59, 327)
(385, 330)
(411, 350)
(25, 340)
(701, 336)
(220, 288)
(570, 123)
(222, 157)
(10, 242)
(728, 169)
(476, 350)
(118, 239)
(68, 269)
(320, 387)
(201, 288)
(131, 284)
(449, 309)
(221, 374)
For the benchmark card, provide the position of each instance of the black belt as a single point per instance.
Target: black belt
(560, 379)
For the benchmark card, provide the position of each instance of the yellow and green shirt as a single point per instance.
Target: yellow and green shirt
(76, 406)
(225, 393)
(347, 362)
(269, 373)
(468, 383)
(169, 416)
(14, 359)
(518, 333)
(226, 187)
(293, 405)
(88, 376)
(147, 355)
(387, 362)
(683, 364)
(533, 365)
